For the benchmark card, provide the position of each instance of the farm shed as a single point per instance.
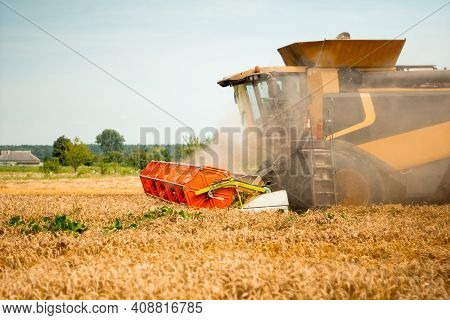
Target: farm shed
(8, 157)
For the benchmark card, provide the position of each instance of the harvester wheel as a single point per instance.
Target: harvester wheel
(358, 182)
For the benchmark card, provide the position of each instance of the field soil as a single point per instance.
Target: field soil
(83, 186)
(135, 249)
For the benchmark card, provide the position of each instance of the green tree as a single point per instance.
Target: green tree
(78, 154)
(137, 158)
(190, 145)
(113, 156)
(110, 140)
(51, 165)
(60, 146)
(165, 153)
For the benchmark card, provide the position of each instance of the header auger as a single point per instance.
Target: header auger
(207, 187)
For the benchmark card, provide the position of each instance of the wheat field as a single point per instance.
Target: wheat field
(380, 252)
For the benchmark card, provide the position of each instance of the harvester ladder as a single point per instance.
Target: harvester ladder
(323, 174)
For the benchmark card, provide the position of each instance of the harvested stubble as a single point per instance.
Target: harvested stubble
(382, 252)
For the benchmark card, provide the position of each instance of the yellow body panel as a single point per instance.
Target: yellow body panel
(319, 82)
(412, 148)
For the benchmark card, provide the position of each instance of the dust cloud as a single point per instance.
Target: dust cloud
(231, 148)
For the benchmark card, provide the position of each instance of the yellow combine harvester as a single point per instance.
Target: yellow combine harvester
(366, 130)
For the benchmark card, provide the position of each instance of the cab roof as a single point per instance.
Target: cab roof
(241, 76)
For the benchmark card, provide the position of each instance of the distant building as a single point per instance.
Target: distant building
(13, 158)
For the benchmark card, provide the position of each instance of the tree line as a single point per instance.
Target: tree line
(110, 148)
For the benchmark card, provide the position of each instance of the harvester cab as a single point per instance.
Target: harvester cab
(264, 94)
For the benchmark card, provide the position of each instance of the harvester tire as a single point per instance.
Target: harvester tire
(358, 182)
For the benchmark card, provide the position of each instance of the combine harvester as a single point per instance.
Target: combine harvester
(366, 131)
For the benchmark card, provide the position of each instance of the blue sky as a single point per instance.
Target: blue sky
(173, 52)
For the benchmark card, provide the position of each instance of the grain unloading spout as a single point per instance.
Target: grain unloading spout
(207, 187)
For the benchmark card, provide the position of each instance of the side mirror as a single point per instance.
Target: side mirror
(274, 90)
